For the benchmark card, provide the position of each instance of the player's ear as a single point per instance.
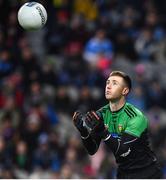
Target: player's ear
(125, 91)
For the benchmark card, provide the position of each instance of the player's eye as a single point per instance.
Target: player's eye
(114, 83)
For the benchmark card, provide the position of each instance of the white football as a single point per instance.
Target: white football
(32, 16)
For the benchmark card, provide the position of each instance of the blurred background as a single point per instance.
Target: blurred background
(48, 74)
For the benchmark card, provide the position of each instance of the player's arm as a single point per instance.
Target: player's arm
(129, 139)
(90, 141)
(95, 123)
(121, 147)
(91, 144)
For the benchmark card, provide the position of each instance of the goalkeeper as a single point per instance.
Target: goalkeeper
(123, 128)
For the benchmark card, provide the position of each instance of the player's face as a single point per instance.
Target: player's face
(114, 88)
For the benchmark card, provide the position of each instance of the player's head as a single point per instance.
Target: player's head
(118, 85)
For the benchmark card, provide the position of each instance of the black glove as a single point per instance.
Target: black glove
(78, 122)
(95, 123)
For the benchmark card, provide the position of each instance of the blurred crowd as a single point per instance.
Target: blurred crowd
(46, 75)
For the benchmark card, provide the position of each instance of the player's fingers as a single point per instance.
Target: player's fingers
(75, 115)
(92, 115)
(89, 116)
(88, 119)
(95, 115)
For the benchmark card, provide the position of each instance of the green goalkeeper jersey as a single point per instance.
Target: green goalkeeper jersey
(128, 119)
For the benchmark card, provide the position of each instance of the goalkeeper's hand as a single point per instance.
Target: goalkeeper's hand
(78, 121)
(95, 123)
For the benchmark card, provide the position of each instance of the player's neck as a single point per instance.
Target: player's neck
(116, 105)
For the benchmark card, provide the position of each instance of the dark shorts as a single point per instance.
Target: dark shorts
(151, 172)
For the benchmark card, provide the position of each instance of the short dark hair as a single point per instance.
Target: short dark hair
(126, 77)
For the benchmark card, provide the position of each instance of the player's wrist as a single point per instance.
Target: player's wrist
(105, 134)
(107, 137)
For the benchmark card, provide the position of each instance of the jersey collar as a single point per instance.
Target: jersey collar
(118, 109)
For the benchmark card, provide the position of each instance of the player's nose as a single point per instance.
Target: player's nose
(108, 86)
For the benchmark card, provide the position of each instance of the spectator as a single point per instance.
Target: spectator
(99, 43)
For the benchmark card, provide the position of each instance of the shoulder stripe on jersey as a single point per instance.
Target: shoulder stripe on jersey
(133, 115)
(127, 113)
(132, 110)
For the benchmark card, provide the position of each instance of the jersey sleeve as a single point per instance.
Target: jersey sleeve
(136, 126)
